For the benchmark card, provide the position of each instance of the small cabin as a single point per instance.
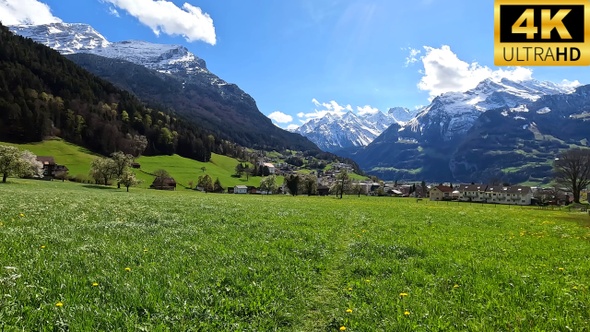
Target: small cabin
(240, 189)
(162, 183)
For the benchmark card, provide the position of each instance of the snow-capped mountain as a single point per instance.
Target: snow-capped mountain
(401, 114)
(67, 38)
(452, 114)
(452, 134)
(70, 38)
(334, 132)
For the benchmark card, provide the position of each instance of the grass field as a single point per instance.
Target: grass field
(84, 258)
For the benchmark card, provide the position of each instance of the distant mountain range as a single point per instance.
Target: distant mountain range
(500, 129)
(172, 76)
(349, 131)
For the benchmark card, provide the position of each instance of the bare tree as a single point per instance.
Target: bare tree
(572, 170)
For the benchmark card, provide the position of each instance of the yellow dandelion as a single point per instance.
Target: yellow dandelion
(349, 310)
(561, 269)
(42, 247)
(128, 269)
(349, 288)
(406, 313)
(145, 250)
(456, 286)
(94, 284)
(21, 215)
(575, 287)
(342, 328)
(59, 304)
(368, 280)
(403, 294)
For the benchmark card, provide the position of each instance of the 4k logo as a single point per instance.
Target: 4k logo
(542, 33)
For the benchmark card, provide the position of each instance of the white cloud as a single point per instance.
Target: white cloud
(114, 12)
(570, 84)
(15, 12)
(322, 109)
(413, 55)
(165, 17)
(280, 117)
(445, 72)
(367, 109)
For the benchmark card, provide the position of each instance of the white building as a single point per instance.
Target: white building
(514, 195)
(271, 168)
(472, 192)
(240, 189)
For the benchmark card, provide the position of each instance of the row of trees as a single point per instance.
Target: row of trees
(206, 184)
(256, 170)
(13, 162)
(117, 167)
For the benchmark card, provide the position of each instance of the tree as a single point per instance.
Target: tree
(269, 184)
(572, 170)
(29, 165)
(205, 182)
(310, 184)
(265, 171)
(217, 187)
(292, 183)
(61, 175)
(203, 169)
(121, 163)
(161, 173)
(13, 162)
(239, 170)
(342, 179)
(357, 189)
(128, 179)
(102, 169)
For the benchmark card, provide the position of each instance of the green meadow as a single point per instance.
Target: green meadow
(183, 170)
(89, 258)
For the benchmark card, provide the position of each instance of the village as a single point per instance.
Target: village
(495, 193)
(332, 180)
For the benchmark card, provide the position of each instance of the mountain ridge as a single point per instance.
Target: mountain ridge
(223, 107)
(349, 131)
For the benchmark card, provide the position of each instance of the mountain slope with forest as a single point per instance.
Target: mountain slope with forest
(44, 94)
(172, 76)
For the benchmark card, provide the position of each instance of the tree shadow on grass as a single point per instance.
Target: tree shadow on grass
(97, 186)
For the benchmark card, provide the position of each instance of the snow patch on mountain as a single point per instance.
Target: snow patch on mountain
(67, 38)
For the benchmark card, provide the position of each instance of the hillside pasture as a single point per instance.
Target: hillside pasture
(77, 257)
(183, 170)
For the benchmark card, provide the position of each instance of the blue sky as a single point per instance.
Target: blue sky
(302, 58)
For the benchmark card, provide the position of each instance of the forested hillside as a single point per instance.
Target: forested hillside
(44, 94)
